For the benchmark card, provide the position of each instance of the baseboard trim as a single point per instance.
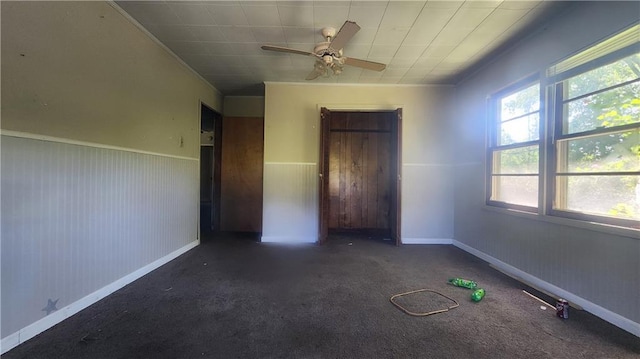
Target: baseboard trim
(288, 239)
(427, 241)
(605, 314)
(33, 329)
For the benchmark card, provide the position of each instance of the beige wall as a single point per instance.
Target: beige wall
(292, 118)
(244, 106)
(292, 137)
(83, 71)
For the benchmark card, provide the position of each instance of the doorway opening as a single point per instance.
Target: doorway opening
(360, 162)
(210, 161)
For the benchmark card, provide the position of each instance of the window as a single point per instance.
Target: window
(515, 147)
(596, 146)
(586, 145)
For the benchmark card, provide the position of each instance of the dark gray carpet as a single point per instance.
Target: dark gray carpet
(234, 298)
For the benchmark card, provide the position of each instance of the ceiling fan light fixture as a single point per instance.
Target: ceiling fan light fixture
(329, 54)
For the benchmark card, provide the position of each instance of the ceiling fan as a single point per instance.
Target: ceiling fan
(328, 54)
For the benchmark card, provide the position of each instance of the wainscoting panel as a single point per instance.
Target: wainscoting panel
(77, 218)
(290, 202)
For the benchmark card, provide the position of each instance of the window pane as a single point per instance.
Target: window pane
(521, 129)
(612, 196)
(521, 190)
(520, 103)
(613, 152)
(615, 73)
(523, 160)
(616, 107)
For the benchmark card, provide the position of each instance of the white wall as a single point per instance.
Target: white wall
(292, 114)
(594, 266)
(99, 168)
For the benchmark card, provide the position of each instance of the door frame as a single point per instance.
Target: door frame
(395, 216)
(216, 167)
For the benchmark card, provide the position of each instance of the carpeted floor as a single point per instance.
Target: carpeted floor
(237, 298)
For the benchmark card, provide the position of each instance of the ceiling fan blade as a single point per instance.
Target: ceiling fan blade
(288, 50)
(314, 74)
(319, 69)
(369, 65)
(344, 35)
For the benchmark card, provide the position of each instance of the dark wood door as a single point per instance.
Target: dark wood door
(242, 174)
(360, 168)
(360, 171)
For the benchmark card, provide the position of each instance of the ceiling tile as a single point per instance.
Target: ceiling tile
(191, 14)
(367, 15)
(411, 52)
(518, 4)
(415, 72)
(402, 63)
(501, 19)
(227, 14)
(357, 50)
(207, 33)
(237, 34)
(295, 15)
(218, 48)
(438, 51)
(432, 42)
(391, 36)
(300, 35)
(468, 18)
(478, 4)
(181, 48)
(151, 13)
(324, 16)
(267, 35)
(383, 51)
(397, 72)
(444, 4)
(173, 33)
(426, 63)
(262, 15)
(364, 36)
(401, 14)
(428, 25)
(450, 36)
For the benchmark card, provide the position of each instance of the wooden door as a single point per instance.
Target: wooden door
(360, 172)
(242, 174)
(360, 162)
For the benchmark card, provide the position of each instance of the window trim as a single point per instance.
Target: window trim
(493, 102)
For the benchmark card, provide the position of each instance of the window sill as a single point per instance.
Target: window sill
(593, 226)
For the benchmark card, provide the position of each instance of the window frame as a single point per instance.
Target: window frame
(493, 135)
(551, 79)
(555, 120)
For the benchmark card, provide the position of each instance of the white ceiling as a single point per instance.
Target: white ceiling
(422, 42)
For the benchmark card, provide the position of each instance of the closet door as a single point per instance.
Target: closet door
(242, 174)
